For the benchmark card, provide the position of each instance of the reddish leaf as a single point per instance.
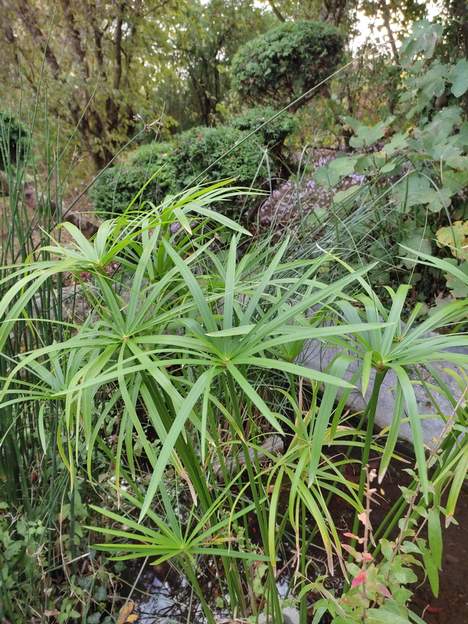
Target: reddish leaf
(430, 609)
(359, 579)
(384, 591)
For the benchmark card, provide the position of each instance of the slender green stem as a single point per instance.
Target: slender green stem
(188, 567)
(273, 607)
(370, 415)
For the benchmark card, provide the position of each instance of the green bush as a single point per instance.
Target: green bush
(157, 157)
(14, 140)
(180, 164)
(115, 188)
(286, 61)
(200, 147)
(274, 133)
(152, 154)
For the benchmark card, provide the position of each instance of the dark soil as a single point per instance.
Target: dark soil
(452, 604)
(167, 595)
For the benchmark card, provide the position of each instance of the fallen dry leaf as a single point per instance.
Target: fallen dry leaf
(127, 614)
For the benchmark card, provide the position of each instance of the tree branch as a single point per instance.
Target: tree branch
(276, 11)
(75, 36)
(118, 47)
(30, 21)
(387, 19)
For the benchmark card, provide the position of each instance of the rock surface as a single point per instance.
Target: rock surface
(316, 355)
(290, 616)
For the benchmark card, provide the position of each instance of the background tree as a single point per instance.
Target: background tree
(202, 38)
(287, 61)
(393, 18)
(88, 56)
(336, 12)
(104, 63)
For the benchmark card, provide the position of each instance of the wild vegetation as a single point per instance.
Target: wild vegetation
(232, 239)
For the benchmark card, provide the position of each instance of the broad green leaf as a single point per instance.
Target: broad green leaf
(459, 78)
(351, 194)
(382, 615)
(368, 135)
(330, 174)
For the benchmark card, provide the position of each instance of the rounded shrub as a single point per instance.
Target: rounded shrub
(152, 154)
(116, 187)
(200, 147)
(179, 165)
(286, 61)
(14, 140)
(157, 157)
(274, 133)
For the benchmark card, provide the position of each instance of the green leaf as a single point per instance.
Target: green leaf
(459, 78)
(295, 369)
(417, 190)
(333, 172)
(423, 39)
(351, 193)
(171, 439)
(435, 536)
(382, 615)
(242, 330)
(366, 371)
(254, 396)
(398, 143)
(41, 428)
(392, 438)
(338, 369)
(431, 569)
(229, 284)
(194, 288)
(387, 549)
(398, 301)
(416, 428)
(368, 135)
(457, 483)
(417, 242)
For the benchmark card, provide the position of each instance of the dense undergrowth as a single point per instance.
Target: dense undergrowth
(176, 422)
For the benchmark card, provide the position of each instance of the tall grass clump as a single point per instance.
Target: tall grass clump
(185, 378)
(178, 423)
(21, 236)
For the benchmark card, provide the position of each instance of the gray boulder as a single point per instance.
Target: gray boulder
(290, 616)
(318, 356)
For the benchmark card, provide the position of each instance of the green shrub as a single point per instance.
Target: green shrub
(14, 140)
(200, 147)
(286, 61)
(158, 157)
(153, 154)
(274, 133)
(180, 164)
(115, 188)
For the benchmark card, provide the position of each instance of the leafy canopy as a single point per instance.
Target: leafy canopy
(286, 61)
